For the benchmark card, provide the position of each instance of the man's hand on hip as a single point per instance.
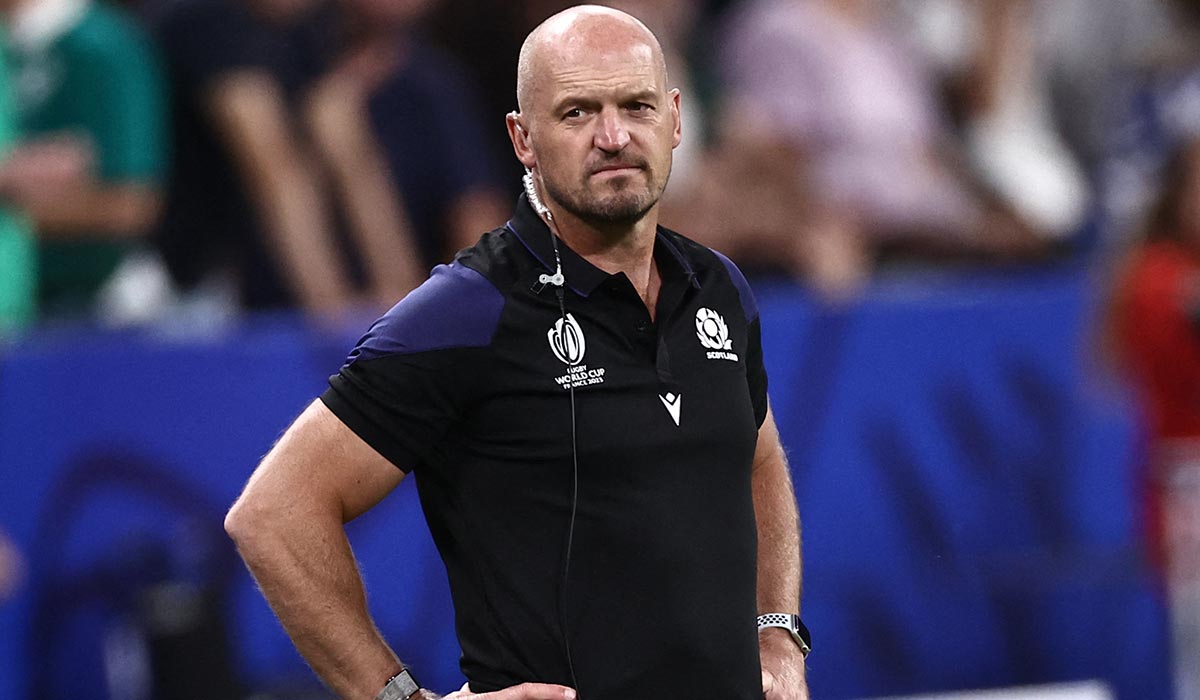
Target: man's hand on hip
(782, 666)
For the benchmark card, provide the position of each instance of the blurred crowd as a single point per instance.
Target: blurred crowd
(190, 159)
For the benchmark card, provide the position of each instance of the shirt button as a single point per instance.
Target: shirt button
(643, 326)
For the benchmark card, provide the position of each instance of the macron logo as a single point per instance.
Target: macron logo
(672, 402)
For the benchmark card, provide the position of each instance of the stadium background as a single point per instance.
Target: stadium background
(968, 468)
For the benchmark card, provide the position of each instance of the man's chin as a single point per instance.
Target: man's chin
(609, 206)
(621, 210)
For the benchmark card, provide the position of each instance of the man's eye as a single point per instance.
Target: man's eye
(573, 113)
(639, 107)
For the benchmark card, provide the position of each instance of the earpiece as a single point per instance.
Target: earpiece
(536, 202)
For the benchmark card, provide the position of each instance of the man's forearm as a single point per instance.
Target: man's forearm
(307, 573)
(779, 568)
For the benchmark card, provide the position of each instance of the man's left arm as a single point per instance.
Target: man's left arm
(779, 568)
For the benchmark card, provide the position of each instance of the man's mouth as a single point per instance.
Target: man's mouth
(623, 168)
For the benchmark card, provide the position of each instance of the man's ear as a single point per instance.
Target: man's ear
(519, 135)
(677, 116)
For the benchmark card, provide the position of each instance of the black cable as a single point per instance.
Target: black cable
(566, 571)
(559, 283)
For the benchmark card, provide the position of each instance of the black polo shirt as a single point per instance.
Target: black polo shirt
(466, 382)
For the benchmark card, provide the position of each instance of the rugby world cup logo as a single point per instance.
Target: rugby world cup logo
(711, 330)
(566, 340)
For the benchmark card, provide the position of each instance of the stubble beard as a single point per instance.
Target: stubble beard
(623, 207)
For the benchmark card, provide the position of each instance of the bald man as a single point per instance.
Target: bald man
(581, 397)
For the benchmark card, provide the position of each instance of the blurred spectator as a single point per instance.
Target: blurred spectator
(1077, 55)
(271, 147)
(89, 102)
(999, 62)
(1160, 107)
(1156, 319)
(447, 177)
(18, 256)
(825, 98)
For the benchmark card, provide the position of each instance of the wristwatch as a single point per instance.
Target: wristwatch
(401, 686)
(792, 624)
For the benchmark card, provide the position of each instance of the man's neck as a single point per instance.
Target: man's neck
(620, 248)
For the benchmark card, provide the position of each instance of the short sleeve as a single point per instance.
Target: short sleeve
(412, 376)
(756, 373)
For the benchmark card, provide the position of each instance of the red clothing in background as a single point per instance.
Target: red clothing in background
(1159, 334)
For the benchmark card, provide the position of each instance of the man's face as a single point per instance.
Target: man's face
(603, 126)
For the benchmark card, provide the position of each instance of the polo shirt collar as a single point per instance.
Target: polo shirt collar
(581, 276)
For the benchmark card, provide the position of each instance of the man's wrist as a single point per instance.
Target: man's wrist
(401, 686)
(786, 626)
(777, 639)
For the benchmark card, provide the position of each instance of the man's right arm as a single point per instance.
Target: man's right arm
(289, 528)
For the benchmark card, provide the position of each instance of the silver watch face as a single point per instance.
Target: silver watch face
(401, 687)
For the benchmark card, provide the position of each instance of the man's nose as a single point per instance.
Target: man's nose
(611, 133)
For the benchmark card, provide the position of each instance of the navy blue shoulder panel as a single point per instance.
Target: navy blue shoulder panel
(749, 305)
(457, 307)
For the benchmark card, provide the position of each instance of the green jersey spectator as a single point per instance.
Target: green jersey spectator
(87, 82)
(17, 254)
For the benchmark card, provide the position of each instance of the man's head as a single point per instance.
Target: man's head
(597, 122)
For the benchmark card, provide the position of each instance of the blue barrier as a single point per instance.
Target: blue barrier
(967, 499)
